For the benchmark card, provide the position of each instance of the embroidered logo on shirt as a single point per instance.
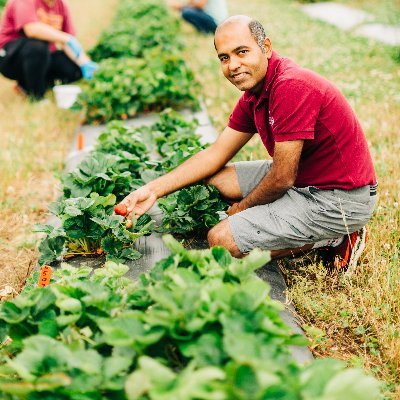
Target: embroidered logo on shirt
(271, 119)
(54, 20)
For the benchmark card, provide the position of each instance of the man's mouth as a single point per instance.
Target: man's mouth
(239, 76)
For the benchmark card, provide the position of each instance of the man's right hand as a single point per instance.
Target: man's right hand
(139, 201)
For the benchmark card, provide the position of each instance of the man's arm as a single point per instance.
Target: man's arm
(177, 5)
(278, 180)
(200, 166)
(197, 3)
(42, 31)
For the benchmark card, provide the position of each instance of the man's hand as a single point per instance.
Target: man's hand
(235, 208)
(139, 201)
(88, 69)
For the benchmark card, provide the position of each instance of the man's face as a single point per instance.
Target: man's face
(242, 61)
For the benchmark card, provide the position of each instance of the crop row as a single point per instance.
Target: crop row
(141, 65)
(199, 325)
(124, 159)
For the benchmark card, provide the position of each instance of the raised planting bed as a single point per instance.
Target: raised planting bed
(123, 159)
(124, 87)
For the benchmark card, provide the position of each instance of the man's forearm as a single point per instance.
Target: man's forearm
(267, 191)
(198, 167)
(41, 31)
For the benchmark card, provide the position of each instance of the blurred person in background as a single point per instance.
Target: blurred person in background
(38, 46)
(204, 15)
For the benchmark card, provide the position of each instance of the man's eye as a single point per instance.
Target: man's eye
(242, 51)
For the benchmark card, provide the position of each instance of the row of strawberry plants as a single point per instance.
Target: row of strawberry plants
(141, 66)
(124, 159)
(138, 25)
(199, 325)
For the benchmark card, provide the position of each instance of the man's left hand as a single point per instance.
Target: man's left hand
(235, 208)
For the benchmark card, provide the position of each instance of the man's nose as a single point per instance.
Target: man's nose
(234, 63)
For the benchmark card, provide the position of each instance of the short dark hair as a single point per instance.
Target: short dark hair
(258, 33)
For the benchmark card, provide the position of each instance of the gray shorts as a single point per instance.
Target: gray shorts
(302, 216)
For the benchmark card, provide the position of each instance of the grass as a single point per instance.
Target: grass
(356, 318)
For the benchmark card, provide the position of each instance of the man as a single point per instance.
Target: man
(318, 191)
(204, 15)
(30, 33)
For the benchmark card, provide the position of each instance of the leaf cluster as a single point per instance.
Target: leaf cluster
(200, 325)
(141, 66)
(122, 160)
(123, 87)
(192, 211)
(88, 226)
(127, 38)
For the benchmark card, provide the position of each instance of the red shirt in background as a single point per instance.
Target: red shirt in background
(298, 104)
(18, 13)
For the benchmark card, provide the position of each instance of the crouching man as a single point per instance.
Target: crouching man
(318, 191)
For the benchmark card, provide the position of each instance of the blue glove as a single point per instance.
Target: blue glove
(88, 69)
(74, 46)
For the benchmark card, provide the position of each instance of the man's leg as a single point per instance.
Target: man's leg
(201, 20)
(26, 62)
(227, 183)
(292, 224)
(33, 60)
(221, 235)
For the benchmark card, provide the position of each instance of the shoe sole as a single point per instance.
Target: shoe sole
(358, 249)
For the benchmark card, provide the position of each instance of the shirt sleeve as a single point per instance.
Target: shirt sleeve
(294, 108)
(68, 26)
(242, 119)
(24, 13)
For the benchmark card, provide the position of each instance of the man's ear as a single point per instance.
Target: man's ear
(268, 47)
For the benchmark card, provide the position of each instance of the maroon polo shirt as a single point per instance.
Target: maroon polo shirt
(295, 104)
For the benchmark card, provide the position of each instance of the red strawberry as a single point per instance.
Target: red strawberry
(120, 209)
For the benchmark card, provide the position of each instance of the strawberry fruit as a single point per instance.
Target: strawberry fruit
(120, 209)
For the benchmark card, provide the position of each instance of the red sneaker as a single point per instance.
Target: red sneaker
(19, 90)
(347, 254)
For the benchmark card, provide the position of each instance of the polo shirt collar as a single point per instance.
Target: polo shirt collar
(273, 64)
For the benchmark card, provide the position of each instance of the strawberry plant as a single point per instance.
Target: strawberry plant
(192, 211)
(125, 87)
(150, 24)
(157, 29)
(104, 174)
(119, 163)
(88, 225)
(199, 325)
(117, 138)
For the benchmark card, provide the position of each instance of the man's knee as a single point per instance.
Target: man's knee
(36, 48)
(221, 235)
(216, 235)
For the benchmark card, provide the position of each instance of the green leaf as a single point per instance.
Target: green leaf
(69, 304)
(352, 384)
(222, 256)
(11, 314)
